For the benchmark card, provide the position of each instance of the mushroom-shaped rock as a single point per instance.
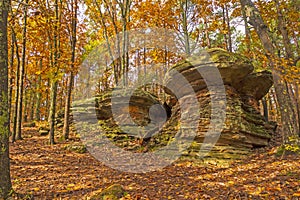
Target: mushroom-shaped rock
(233, 67)
(256, 85)
(194, 73)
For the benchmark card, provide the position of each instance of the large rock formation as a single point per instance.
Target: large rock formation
(244, 127)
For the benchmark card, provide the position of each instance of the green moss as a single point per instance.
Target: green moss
(114, 192)
(255, 118)
(280, 151)
(77, 148)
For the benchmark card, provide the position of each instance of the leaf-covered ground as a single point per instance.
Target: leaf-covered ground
(53, 172)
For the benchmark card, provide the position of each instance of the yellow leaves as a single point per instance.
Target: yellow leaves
(38, 72)
(274, 189)
(74, 187)
(236, 12)
(230, 183)
(296, 194)
(257, 191)
(70, 185)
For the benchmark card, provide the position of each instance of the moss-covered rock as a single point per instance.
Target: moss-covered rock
(114, 192)
(244, 127)
(76, 147)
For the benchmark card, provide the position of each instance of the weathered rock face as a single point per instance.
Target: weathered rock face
(126, 104)
(233, 68)
(244, 127)
(256, 85)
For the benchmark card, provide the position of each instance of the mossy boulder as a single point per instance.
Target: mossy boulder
(76, 147)
(113, 192)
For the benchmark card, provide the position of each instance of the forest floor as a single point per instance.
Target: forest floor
(41, 171)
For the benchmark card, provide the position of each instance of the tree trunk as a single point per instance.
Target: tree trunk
(22, 75)
(70, 83)
(265, 109)
(31, 107)
(11, 72)
(247, 30)
(224, 27)
(207, 34)
(184, 10)
(25, 107)
(283, 30)
(66, 128)
(5, 181)
(14, 132)
(54, 81)
(106, 36)
(284, 100)
(297, 97)
(47, 99)
(228, 29)
(37, 114)
(53, 96)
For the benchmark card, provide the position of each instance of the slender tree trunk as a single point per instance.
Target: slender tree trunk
(184, 10)
(207, 34)
(105, 34)
(61, 94)
(31, 107)
(15, 115)
(228, 29)
(22, 75)
(25, 107)
(247, 30)
(66, 129)
(297, 97)
(47, 106)
(125, 5)
(5, 181)
(53, 96)
(224, 27)
(54, 81)
(265, 109)
(276, 110)
(37, 114)
(11, 71)
(113, 16)
(144, 64)
(283, 30)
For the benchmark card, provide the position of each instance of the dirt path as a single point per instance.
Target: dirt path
(51, 172)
